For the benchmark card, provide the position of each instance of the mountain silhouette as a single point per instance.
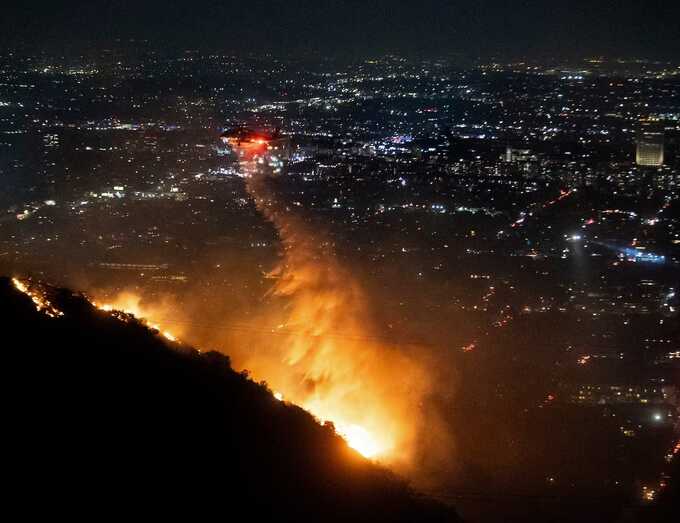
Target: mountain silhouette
(105, 418)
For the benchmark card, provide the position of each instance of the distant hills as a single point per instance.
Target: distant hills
(105, 418)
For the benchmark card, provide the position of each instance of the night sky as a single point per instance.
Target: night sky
(503, 28)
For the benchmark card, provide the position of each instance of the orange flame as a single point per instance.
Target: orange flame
(329, 362)
(42, 304)
(131, 303)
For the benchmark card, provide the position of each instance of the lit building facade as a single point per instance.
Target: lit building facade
(650, 145)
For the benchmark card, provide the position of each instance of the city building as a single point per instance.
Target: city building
(650, 145)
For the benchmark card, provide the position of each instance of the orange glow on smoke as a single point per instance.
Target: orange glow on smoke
(361, 440)
(321, 375)
(324, 355)
(327, 359)
(131, 303)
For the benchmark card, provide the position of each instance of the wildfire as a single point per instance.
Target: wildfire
(357, 436)
(360, 440)
(39, 300)
(328, 361)
(169, 336)
(324, 357)
(129, 303)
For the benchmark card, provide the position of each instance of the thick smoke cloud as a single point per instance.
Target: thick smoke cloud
(328, 358)
(313, 341)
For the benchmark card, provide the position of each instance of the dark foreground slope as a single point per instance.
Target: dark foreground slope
(104, 418)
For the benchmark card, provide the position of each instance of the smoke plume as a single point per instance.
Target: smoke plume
(328, 358)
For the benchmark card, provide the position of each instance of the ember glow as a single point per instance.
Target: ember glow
(42, 304)
(131, 303)
(360, 440)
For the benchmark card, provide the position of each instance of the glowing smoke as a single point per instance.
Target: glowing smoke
(322, 353)
(159, 316)
(328, 360)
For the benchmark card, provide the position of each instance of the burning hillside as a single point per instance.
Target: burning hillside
(330, 362)
(140, 426)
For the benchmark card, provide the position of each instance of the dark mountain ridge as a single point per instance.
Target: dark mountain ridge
(105, 417)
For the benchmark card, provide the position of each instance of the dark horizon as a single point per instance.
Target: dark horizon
(347, 29)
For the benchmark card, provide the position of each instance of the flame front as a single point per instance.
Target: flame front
(42, 304)
(131, 303)
(361, 440)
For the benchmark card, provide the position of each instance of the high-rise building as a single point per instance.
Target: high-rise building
(650, 145)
